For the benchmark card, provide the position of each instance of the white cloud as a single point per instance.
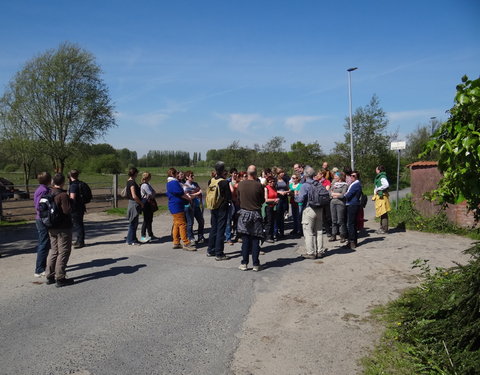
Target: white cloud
(297, 123)
(152, 119)
(245, 122)
(424, 114)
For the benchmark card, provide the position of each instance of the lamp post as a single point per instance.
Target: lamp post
(350, 70)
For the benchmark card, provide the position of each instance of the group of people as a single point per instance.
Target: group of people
(244, 206)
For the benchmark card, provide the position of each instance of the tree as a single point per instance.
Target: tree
(60, 97)
(416, 142)
(310, 153)
(371, 142)
(458, 143)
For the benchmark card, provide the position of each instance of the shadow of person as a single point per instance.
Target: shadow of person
(114, 271)
(95, 263)
(371, 239)
(339, 251)
(282, 262)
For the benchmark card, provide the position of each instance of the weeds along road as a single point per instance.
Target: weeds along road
(154, 310)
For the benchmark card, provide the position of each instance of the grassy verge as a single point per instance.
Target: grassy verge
(434, 328)
(12, 223)
(122, 211)
(408, 217)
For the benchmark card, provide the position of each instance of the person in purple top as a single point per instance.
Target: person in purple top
(44, 179)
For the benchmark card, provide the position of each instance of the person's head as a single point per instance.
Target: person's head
(339, 176)
(220, 168)
(267, 172)
(133, 172)
(189, 175)
(146, 176)
(380, 169)
(325, 166)
(58, 180)
(172, 172)
(270, 181)
(280, 173)
(180, 176)
(355, 175)
(295, 178)
(243, 175)
(252, 172)
(44, 178)
(298, 168)
(73, 174)
(233, 171)
(309, 172)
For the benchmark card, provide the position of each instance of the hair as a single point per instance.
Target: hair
(341, 176)
(267, 170)
(58, 179)
(146, 176)
(44, 178)
(132, 172)
(219, 167)
(242, 174)
(270, 179)
(171, 172)
(74, 173)
(280, 170)
(309, 172)
(188, 174)
(357, 173)
(347, 171)
(296, 175)
(324, 173)
(233, 170)
(381, 168)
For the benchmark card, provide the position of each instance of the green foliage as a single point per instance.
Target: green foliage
(434, 328)
(60, 101)
(409, 217)
(105, 164)
(458, 143)
(10, 168)
(371, 143)
(165, 158)
(416, 142)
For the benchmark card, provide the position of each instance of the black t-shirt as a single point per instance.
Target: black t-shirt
(131, 183)
(78, 205)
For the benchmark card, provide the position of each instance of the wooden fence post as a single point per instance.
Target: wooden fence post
(115, 191)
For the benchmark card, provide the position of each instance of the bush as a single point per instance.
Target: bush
(434, 328)
(10, 168)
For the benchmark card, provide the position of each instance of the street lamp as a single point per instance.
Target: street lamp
(352, 163)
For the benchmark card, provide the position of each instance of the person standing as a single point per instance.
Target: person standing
(78, 208)
(352, 204)
(283, 192)
(60, 236)
(312, 219)
(194, 209)
(147, 194)
(295, 187)
(134, 208)
(218, 199)
(381, 199)
(44, 179)
(271, 200)
(249, 225)
(337, 207)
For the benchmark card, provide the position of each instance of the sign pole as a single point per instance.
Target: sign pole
(398, 178)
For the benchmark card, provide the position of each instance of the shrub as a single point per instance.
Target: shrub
(10, 168)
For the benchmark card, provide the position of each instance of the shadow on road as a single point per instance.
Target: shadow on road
(339, 251)
(94, 263)
(114, 271)
(371, 239)
(282, 262)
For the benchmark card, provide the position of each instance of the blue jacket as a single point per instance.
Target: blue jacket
(352, 195)
(174, 193)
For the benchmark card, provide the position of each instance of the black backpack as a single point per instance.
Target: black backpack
(363, 199)
(318, 195)
(48, 211)
(85, 192)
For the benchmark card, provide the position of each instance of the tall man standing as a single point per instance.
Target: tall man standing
(218, 199)
(78, 209)
(251, 196)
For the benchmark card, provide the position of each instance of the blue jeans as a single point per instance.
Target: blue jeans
(250, 244)
(191, 213)
(352, 211)
(132, 231)
(228, 228)
(218, 223)
(282, 207)
(43, 246)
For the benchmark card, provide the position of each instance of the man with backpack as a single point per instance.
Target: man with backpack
(80, 194)
(217, 200)
(314, 198)
(60, 233)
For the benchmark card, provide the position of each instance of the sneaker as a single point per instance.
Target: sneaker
(343, 240)
(177, 246)
(39, 274)
(257, 268)
(134, 244)
(222, 257)
(242, 267)
(50, 281)
(352, 245)
(210, 254)
(78, 245)
(309, 256)
(230, 242)
(332, 239)
(380, 231)
(189, 247)
(201, 240)
(321, 254)
(261, 252)
(145, 239)
(64, 282)
(270, 240)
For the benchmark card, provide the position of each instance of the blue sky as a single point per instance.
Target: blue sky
(196, 75)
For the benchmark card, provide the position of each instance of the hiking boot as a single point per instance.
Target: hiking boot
(309, 256)
(189, 247)
(222, 257)
(242, 267)
(64, 282)
(78, 245)
(176, 246)
(333, 238)
(257, 268)
(50, 281)
(352, 245)
(343, 239)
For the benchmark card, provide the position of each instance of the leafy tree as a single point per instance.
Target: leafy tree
(371, 143)
(416, 142)
(127, 158)
(61, 99)
(310, 153)
(458, 143)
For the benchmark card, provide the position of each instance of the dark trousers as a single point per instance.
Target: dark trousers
(282, 207)
(250, 244)
(43, 246)
(327, 219)
(297, 225)
(270, 213)
(352, 211)
(147, 220)
(78, 227)
(218, 223)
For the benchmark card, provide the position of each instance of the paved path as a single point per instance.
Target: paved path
(155, 310)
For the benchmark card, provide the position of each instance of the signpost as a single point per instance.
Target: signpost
(399, 146)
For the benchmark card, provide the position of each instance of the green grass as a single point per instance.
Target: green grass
(122, 211)
(12, 223)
